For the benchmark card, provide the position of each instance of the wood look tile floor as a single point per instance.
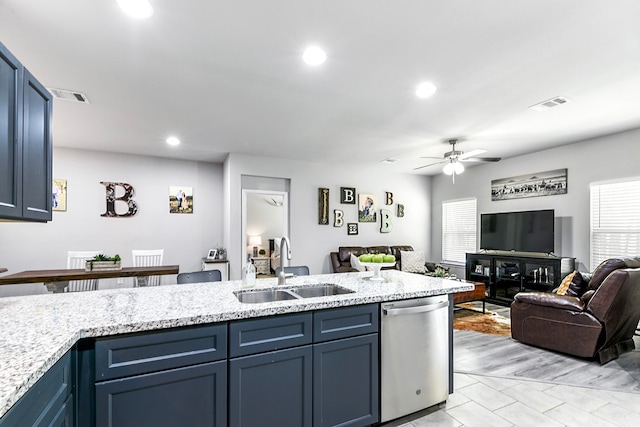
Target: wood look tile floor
(495, 401)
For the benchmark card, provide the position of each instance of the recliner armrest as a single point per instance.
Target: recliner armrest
(545, 299)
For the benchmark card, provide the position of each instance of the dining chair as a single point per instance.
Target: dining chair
(301, 270)
(200, 277)
(75, 260)
(147, 258)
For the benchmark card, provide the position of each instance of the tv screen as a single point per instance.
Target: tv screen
(528, 231)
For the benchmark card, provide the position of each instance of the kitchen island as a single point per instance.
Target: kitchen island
(39, 330)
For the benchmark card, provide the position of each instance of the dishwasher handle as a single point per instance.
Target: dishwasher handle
(413, 310)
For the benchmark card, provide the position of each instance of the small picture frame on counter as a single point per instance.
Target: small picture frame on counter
(212, 254)
(487, 270)
(479, 269)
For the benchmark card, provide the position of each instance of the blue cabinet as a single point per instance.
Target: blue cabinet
(164, 378)
(305, 369)
(25, 143)
(48, 403)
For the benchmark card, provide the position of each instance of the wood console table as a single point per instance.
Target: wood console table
(57, 280)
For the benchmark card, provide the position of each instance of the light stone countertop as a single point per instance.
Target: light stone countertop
(38, 330)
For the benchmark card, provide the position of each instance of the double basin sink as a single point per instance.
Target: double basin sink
(252, 296)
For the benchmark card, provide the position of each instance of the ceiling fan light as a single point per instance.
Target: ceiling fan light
(448, 169)
(139, 9)
(458, 168)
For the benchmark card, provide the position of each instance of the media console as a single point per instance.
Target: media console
(505, 274)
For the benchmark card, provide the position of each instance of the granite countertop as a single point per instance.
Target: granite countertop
(39, 329)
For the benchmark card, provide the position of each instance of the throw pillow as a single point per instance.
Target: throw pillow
(564, 285)
(412, 261)
(355, 263)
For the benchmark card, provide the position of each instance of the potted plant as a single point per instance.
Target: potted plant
(222, 253)
(103, 262)
(262, 252)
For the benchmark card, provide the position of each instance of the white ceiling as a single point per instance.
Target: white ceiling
(227, 76)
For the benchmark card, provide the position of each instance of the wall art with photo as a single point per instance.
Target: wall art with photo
(548, 183)
(367, 208)
(180, 199)
(59, 195)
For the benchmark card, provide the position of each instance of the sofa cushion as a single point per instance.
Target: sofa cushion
(344, 252)
(412, 261)
(378, 250)
(355, 263)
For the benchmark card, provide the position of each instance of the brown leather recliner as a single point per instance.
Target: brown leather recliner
(599, 323)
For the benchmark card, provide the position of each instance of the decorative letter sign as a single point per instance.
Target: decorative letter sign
(385, 221)
(352, 228)
(323, 206)
(400, 212)
(338, 216)
(388, 198)
(126, 197)
(348, 195)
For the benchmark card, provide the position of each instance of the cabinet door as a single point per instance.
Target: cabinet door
(10, 135)
(193, 396)
(48, 403)
(345, 382)
(271, 389)
(36, 151)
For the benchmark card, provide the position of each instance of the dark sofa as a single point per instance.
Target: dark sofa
(341, 260)
(597, 318)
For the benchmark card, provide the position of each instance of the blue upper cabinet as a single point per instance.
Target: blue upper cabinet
(25, 143)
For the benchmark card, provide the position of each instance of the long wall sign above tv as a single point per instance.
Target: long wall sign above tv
(548, 183)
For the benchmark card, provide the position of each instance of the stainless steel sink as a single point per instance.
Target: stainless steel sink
(256, 296)
(264, 295)
(323, 290)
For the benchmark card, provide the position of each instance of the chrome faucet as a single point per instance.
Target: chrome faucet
(282, 278)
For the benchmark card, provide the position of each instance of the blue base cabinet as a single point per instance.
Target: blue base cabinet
(193, 396)
(345, 382)
(49, 403)
(271, 389)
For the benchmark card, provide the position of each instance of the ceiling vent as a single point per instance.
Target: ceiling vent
(549, 103)
(69, 95)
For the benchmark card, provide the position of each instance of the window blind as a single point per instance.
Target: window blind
(615, 220)
(459, 230)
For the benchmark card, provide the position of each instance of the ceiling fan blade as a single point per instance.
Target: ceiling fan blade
(430, 164)
(482, 159)
(431, 157)
(471, 153)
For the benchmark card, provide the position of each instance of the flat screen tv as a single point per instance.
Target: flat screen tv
(527, 231)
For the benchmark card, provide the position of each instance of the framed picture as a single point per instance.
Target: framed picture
(180, 199)
(367, 208)
(479, 269)
(549, 183)
(59, 195)
(212, 254)
(352, 229)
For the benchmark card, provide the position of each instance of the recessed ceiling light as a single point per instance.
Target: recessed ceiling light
(314, 56)
(425, 90)
(172, 140)
(136, 8)
(549, 103)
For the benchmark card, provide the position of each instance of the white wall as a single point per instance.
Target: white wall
(311, 243)
(607, 158)
(184, 237)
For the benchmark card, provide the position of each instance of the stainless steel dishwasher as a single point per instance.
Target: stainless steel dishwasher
(414, 355)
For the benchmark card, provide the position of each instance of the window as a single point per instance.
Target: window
(459, 231)
(615, 220)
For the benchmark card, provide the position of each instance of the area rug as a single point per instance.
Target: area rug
(466, 318)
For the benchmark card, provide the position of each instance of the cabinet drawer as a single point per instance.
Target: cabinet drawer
(345, 322)
(139, 354)
(267, 334)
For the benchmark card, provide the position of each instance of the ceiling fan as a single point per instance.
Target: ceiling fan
(454, 159)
